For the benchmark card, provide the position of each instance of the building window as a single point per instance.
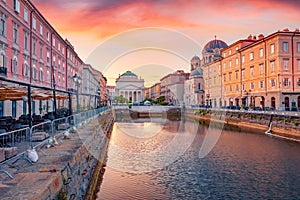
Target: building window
(286, 64)
(252, 86)
(230, 88)
(261, 84)
(286, 82)
(25, 70)
(236, 61)
(298, 47)
(237, 75)
(15, 34)
(272, 48)
(24, 108)
(58, 46)
(25, 40)
(14, 109)
(251, 56)
(285, 46)
(35, 73)
(224, 54)
(261, 52)
(14, 66)
(224, 65)
(48, 36)
(230, 74)
(3, 61)
(25, 15)
(1, 108)
(34, 47)
(229, 52)
(272, 66)
(41, 29)
(41, 75)
(3, 28)
(244, 87)
(16, 6)
(251, 71)
(243, 59)
(273, 83)
(54, 60)
(33, 107)
(298, 82)
(48, 56)
(41, 51)
(261, 69)
(53, 41)
(243, 73)
(237, 87)
(224, 77)
(34, 23)
(48, 76)
(230, 63)
(298, 65)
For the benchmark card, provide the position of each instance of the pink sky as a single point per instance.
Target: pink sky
(88, 23)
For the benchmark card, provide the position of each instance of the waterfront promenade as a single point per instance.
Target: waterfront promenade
(64, 170)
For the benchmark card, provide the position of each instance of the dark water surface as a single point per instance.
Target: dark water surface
(240, 166)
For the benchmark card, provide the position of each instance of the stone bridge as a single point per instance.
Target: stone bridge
(124, 112)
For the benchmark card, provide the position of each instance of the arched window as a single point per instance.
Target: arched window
(14, 67)
(25, 69)
(287, 103)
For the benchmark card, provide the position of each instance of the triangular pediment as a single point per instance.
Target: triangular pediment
(130, 87)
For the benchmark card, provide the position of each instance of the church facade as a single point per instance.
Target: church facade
(130, 86)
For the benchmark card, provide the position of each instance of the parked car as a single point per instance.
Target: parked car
(135, 103)
(147, 103)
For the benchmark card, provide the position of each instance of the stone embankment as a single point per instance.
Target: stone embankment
(66, 171)
(283, 127)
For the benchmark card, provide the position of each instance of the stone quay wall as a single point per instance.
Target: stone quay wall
(66, 171)
(284, 127)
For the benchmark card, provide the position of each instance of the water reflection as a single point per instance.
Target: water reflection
(241, 166)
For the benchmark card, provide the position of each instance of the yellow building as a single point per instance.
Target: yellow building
(259, 71)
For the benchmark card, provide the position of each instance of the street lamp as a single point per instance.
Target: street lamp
(54, 85)
(77, 80)
(98, 97)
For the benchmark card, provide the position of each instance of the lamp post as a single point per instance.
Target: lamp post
(98, 98)
(77, 80)
(54, 85)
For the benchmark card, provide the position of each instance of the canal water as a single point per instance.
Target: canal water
(159, 159)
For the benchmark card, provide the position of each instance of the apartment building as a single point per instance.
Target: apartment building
(33, 53)
(259, 71)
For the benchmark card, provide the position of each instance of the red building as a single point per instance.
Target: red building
(32, 52)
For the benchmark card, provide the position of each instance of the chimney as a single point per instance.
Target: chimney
(254, 37)
(250, 37)
(297, 30)
(286, 30)
(261, 36)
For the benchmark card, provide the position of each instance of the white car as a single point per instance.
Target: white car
(147, 103)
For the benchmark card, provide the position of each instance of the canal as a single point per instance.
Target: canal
(159, 159)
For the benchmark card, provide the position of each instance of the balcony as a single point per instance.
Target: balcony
(3, 71)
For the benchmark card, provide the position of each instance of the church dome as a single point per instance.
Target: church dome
(197, 72)
(195, 58)
(214, 44)
(129, 73)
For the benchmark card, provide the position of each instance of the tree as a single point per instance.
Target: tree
(161, 99)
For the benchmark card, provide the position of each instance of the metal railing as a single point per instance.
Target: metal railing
(273, 112)
(14, 144)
